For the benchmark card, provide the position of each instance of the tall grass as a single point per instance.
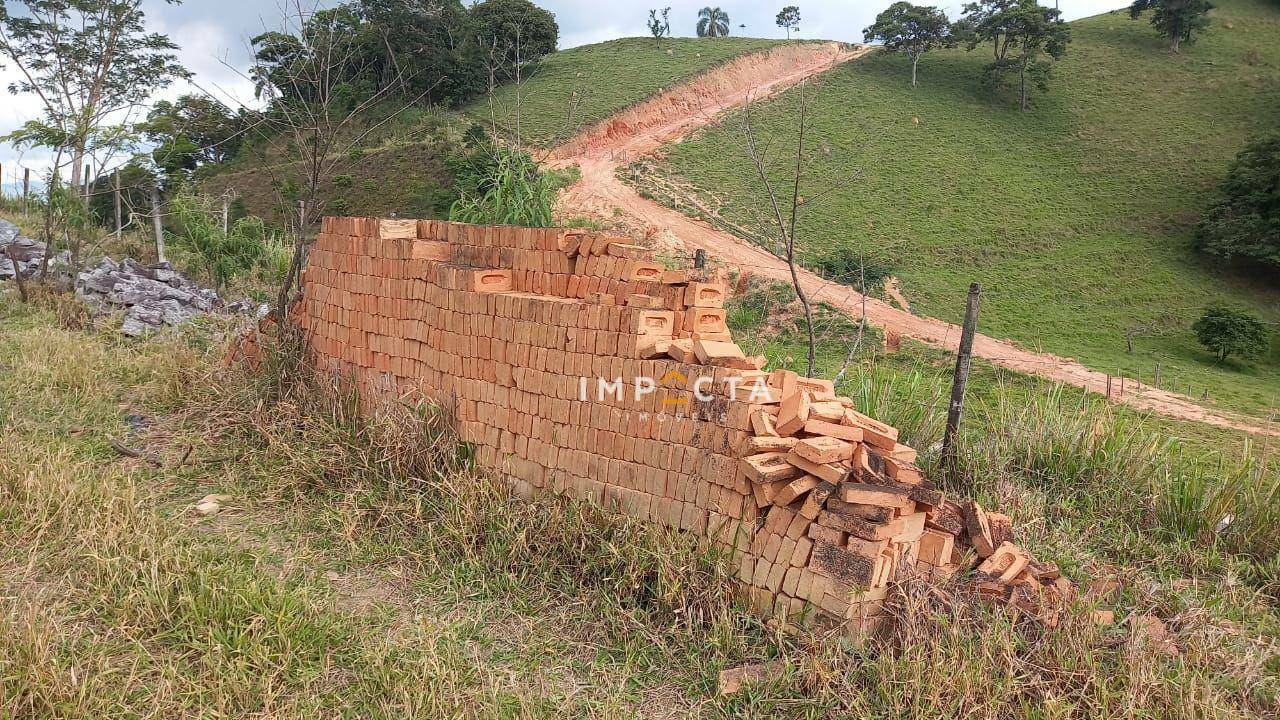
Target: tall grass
(503, 186)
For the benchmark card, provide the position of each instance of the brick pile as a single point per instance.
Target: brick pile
(516, 328)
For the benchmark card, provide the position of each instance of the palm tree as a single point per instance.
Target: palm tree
(712, 22)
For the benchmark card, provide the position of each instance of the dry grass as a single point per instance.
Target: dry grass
(361, 568)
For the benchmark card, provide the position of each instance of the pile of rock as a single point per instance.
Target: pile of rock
(150, 296)
(20, 254)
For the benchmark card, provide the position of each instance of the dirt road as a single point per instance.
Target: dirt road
(600, 149)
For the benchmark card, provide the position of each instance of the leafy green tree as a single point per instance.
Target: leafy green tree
(1228, 332)
(87, 61)
(913, 29)
(789, 18)
(660, 24)
(1178, 20)
(192, 131)
(1245, 222)
(519, 29)
(712, 22)
(1025, 36)
(426, 47)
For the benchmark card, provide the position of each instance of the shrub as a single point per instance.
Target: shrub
(1245, 222)
(1229, 332)
(196, 227)
(842, 265)
(501, 186)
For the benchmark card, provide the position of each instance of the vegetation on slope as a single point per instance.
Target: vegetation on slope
(580, 86)
(1077, 216)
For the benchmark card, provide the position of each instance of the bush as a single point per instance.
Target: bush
(1245, 223)
(1229, 332)
(197, 228)
(501, 186)
(842, 265)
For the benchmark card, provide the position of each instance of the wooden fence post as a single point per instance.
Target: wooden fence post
(964, 356)
(156, 224)
(26, 190)
(119, 215)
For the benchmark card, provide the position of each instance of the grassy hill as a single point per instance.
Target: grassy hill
(583, 85)
(400, 169)
(1076, 216)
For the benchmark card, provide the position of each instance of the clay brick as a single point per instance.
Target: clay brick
(936, 547)
(793, 413)
(882, 495)
(705, 295)
(843, 432)
(397, 229)
(1005, 562)
(705, 321)
(795, 490)
(768, 467)
(874, 432)
(652, 322)
(823, 450)
(830, 473)
(710, 352)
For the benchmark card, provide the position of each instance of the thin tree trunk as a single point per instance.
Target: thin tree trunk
(915, 59)
(1174, 43)
(1022, 88)
(17, 273)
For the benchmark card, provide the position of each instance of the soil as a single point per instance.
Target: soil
(601, 149)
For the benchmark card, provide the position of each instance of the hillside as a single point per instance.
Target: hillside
(1075, 216)
(583, 85)
(400, 169)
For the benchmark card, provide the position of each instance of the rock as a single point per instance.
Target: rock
(1151, 630)
(734, 679)
(211, 504)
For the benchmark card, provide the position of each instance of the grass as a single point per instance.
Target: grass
(1075, 216)
(580, 86)
(361, 568)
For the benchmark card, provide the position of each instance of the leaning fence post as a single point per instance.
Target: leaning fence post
(964, 356)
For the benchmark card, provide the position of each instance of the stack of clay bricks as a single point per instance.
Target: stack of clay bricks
(847, 511)
(576, 364)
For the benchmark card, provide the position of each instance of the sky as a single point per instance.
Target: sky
(214, 39)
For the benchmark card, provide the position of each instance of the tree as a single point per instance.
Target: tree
(659, 24)
(1025, 37)
(315, 114)
(913, 29)
(1245, 222)
(192, 131)
(1177, 20)
(1228, 332)
(425, 45)
(87, 61)
(712, 22)
(789, 18)
(524, 31)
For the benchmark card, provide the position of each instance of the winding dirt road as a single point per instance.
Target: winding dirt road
(601, 149)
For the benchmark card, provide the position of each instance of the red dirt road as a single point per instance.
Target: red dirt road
(600, 149)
